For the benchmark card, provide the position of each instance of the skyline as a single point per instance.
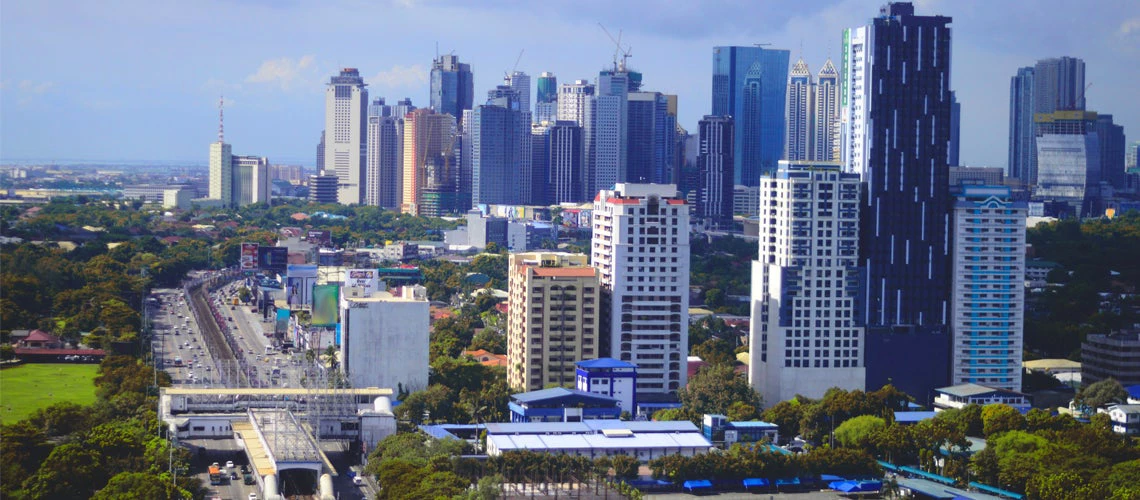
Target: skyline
(175, 60)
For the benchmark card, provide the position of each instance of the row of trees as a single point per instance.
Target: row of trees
(758, 461)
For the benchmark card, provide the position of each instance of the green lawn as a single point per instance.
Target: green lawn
(26, 388)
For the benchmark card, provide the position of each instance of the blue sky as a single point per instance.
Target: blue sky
(140, 79)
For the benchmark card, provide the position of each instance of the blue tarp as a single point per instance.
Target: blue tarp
(996, 491)
(795, 481)
(887, 465)
(698, 484)
(927, 475)
(755, 481)
(829, 478)
(777, 449)
(856, 486)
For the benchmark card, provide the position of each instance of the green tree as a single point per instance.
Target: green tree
(1102, 393)
(857, 431)
(714, 389)
(625, 467)
(70, 471)
(998, 418)
(787, 415)
(134, 485)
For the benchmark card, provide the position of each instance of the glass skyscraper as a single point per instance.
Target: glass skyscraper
(452, 85)
(750, 84)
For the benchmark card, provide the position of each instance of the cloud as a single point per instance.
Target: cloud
(283, 72)
(220, 86)
(35, 87)
(401, 76)
(1129, 26)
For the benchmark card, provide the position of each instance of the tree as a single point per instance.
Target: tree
(1102, 393)
(714, 389)
(132, 485)
(61, 419)
(787, 415)
(625, 467)
(998, 418)
(70, 471)
(715, 351)
(856, 432)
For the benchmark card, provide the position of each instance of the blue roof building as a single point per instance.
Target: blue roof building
(719, 428)
(596, 438)
(608, 377)
(562, 405)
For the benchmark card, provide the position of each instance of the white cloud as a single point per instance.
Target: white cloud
(35, 87)
(282, 72)
(1129, 26)
(400, 76)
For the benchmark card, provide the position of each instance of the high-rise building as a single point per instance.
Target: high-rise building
(321, 153)
(750, 85)
(385, 337)
(799, 112)
(250, 180)
(1059, 85)
(385, 154)
(1111, 145)
(953, 149)
(988, 300)
(322, 188)
(898, 109)
(501, 156)
(558, 163)
(540, 163)
(576, 104)
(714, 201)
(805, 337)
(429, 163)
(553, 318)
(640, 246)
(546, 101)
(812, 114)
(452, 86)
(520, 83)
(1022, 149)
(346, 119)
(1068, 163)
(611, 136)
(825, 123)
(221, 171)
(651, 132)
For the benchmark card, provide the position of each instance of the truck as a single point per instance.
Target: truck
(216, 475)
(247, 478)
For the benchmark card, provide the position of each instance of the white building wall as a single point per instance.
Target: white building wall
(641, 247)
(385, 341)
(345, 127)
(221, 172)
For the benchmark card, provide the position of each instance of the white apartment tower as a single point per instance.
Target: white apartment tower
(640, 247)
(576, 104)
(611, 125)
(346, 115)
(812, 114)
(988, 294)
(806, 284)
(221, 171)
(250, 183)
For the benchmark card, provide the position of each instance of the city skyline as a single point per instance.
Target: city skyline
(172, 61)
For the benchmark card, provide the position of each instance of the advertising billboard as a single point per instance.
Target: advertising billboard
(326, 299)
(282, 322)
(273, 259)
(365, 280)
(301, 270)
(248, 259)
(319, 237)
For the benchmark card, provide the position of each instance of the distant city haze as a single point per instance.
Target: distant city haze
(140, 80)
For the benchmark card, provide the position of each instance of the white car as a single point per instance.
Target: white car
(230, 464)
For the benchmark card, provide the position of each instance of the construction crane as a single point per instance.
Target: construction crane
(626, 53)
(508, 74)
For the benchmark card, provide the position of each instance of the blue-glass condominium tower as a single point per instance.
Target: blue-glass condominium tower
(750, 85)
(452, 85)
(899, 106)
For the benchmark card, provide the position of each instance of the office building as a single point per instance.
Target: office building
(565, 164)
(953, 149)
(385, 337)
(640, 246)
(430, 170)
(546, 98)
(250, 182)
(799, 112)
(714, 205)
(1111, 144)
(611, 130)
(988, 294)
(385, 155)
(293, 174)
(1114, 355)
(1055, 84)
(609, 377)
(1059, 85)
(540, 163)
(321, 153)
(1022, 143)
(520, 83)
(452, 86)
(812, 114)
(501, 156)
(750, 85)
(346, 118)
(898, 130)
(322, 188)
(1068, 163)
(553, 318)
(805, 336)
(576, 103)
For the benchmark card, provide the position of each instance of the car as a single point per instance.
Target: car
(253, 496)
(357, 480)
(233, 476)
(230, 464)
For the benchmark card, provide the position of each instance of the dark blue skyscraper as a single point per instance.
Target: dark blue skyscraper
(750, 85)
(899, 107)
(1022, 149)
(452, 85)
(501, 155)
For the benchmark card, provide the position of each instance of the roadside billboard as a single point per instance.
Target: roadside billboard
(248, 260)
(319, 237)
(366, 280)
(274, 259)
(326, 299)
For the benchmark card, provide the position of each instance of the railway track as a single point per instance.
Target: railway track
(212, 334)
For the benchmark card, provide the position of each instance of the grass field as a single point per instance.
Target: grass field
(26, 388)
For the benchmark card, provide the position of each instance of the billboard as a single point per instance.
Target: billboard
(301, 270)
(319, 237)
(248, 260)
(282, 322)
(326, 300)
(273, 259)
(364, 279)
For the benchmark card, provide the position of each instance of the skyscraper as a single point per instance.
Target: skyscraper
(988, 303)
(799, 113)
(1022, 150)
(750, 85)
(715, 198)
(576, 104)
(650, 135)
(566, 166)
(501, 170)
(385, 154)
(1068, 163)
(640, 246)
(452, 85)
(553, 318)
(546, 101)
(953, 149)
(520, 83)
(899, 128)
(825, 123)
(1112, 146)
(1059, 85)
(812, 114)
(221, 171)
(611, 136)
(250, 182)
(428, 160)
(346, 118)
(805, 337)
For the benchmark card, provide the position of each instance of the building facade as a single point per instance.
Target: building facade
(805, 336)
(322, 188)
(452, 86)
(714, 161)
(221, 171)
(553, 318)
(346, 118)
(640, 246)
(546, 98)
(609, 377)
(385, 154)
(520, 83)
(898, 109)
(988, 291)
(1114, 355)
(611, 130)
(385, 338)
(1068, 163)
(750, 85)
(250, 182)
(576, 103)
(1022, 151)
(501, 156)
(429, 161)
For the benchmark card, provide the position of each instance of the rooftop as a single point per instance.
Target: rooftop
(967, 390)
(604, 363)
(557, 393)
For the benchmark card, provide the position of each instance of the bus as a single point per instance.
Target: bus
(178, 361)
